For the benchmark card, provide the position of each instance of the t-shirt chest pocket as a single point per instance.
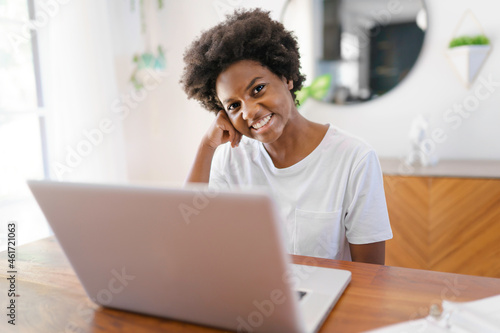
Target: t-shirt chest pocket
(318, 234)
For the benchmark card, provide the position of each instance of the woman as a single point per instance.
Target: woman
(327, 183)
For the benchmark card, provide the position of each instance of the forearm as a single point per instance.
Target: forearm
(200, 171)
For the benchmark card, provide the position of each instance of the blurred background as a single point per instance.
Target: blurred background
(89, 90)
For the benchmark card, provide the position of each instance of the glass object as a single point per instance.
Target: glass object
(368, 46)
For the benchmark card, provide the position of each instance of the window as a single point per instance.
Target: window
(23, 153)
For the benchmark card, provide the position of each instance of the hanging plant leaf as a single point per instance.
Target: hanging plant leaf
(320, 86)
(302, 95)
(160, 62)
(318, 89)
(469, 40)
(137, 85)
(161, 4)
(148, 60)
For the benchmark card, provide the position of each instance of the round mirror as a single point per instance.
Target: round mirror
(365, 48)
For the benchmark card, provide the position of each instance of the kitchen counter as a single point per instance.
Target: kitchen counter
(445, 168)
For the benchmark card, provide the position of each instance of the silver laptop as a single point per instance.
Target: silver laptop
(210, 258)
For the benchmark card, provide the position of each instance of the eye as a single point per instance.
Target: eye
(233, 106)
(258, 88)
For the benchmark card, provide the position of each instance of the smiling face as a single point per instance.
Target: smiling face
(257, 101)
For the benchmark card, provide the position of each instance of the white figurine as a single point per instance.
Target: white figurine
(419, 133)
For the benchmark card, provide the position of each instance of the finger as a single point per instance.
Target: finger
(234, 140)
(239, 138)
(231, 136)
(222, 113)
(227, 131)
(223, 133)
(228, 127)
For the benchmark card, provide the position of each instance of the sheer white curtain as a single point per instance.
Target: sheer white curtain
(78, 76)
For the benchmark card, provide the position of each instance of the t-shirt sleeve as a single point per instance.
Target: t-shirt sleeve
(218, 180)
(366, 219)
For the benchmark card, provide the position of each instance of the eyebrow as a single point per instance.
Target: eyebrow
(252, 82)
(248, 87)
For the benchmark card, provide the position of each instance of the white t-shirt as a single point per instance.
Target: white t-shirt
(333, 197)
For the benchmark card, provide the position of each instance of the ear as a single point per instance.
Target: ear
(288, 83)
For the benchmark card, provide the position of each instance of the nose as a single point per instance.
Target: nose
(250, 110)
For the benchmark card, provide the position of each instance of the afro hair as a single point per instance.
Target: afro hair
(244, 35)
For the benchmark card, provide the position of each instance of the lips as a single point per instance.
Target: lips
(262, 122)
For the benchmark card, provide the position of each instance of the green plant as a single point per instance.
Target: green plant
(141, 5)
(469, 40)
(132, 4)
(147, 60)
(317, 90)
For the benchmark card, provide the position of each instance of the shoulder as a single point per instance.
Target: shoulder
(346, 146)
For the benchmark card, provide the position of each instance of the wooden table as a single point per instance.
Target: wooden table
(51, 298)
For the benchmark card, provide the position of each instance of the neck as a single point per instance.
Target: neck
(299, 138)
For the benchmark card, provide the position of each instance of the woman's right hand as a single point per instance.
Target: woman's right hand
(221, 131)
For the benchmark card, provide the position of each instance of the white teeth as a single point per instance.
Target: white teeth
(262, 122)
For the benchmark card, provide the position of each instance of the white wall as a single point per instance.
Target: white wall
(163, 133)
(432, 88)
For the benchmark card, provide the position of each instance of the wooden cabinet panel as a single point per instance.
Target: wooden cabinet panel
(465, 226)
(408, 205)
(444, 224)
